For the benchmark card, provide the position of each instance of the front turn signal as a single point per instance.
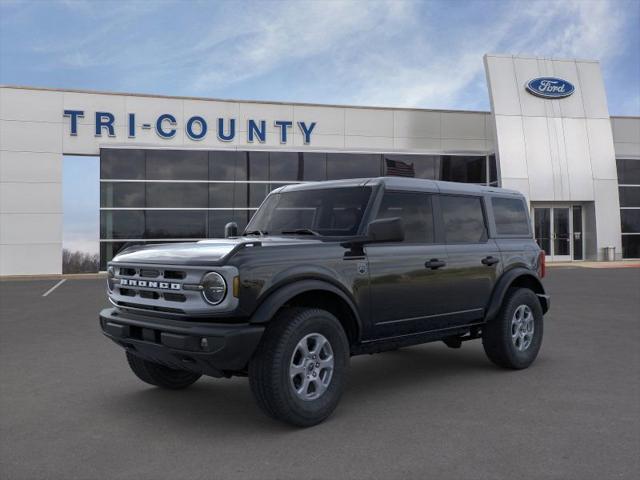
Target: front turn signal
(236, 287)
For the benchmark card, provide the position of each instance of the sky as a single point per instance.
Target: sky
(380, 53)
(390, 53)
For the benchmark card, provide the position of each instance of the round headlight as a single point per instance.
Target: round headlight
(214, 288)
(111, 273)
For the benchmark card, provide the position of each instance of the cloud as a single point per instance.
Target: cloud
(386, 52)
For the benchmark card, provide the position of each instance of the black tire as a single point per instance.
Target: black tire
(269, 374)
(159, 375)
(497, 334)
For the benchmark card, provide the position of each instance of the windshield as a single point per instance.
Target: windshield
(326, 212)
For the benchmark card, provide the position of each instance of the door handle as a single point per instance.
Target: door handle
(434, 264)
(488, 261)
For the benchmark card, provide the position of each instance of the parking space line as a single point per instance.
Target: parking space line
(54, 287)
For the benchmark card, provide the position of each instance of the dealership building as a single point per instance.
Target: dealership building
(178, 168)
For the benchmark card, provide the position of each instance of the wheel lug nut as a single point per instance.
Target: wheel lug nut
(314, 374)
(317, 364)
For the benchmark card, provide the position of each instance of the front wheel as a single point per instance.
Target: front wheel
(297, 375)
(159, 375)
(513, 338)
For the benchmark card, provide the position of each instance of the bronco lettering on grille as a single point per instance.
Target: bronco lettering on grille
(129, 282)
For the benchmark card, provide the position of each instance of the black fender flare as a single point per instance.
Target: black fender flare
(282, 294)
(504, 283)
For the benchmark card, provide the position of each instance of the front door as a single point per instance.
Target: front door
(558, 231)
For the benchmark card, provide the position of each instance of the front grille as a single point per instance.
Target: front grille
(154, 287)
(174, 275)
(149, 294)
(147, 273)
(174, 297)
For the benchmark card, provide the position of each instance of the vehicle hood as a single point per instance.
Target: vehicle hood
(204, 252)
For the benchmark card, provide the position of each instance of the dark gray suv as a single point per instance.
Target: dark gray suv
(328, 270)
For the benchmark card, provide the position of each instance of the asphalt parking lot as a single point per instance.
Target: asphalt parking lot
(71, 409)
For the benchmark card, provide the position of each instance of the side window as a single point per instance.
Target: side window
(463, 219)
(415, 211)
(510, 216)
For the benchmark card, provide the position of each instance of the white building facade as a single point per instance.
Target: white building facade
(175, 168)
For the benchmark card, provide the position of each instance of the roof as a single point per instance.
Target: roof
(401, 183)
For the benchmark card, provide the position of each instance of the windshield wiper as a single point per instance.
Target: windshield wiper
(301, 231)
(255, 232)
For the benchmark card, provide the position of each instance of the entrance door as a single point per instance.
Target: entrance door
(558, 231)
(561, 234)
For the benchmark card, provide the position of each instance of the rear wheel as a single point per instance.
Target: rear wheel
(513, 338)
(159, 375)
(297, 375)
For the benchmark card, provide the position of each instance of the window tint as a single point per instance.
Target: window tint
(465, 169)
(314, 166)
(415, 211)
(352, 165)
(177, 165)
(463, 219)
(629, 196)
(177, 195)
(122, 164)
(331, 211)
(118, 195)
(630, 221)
(285, 166)
(631, 246)
(176, 224)
(258, 166)
(493, 171)
(510, 215)
(121, 224)
(628, 171)
(227, 165)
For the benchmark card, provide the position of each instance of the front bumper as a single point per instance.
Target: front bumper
(213, 349)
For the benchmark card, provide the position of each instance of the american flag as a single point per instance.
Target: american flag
(397, 168)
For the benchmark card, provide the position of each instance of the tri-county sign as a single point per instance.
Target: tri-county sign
(550, 87)
(196, 127)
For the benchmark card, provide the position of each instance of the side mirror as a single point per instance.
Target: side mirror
(231, 230)
(385, 230)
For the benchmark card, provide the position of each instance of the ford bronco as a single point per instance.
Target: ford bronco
(327, 270)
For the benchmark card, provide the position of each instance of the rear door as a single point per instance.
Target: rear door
(473, 258)
(406, 279)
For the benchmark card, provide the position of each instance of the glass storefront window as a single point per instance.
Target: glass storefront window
(122, 164)
(177, 165)
(353, 165)
(116, 224)
(227, 165)
(415, 166)
(176, 224)
(631, 246)
(221, 194)
(122, 195)
(493, 171)
(258, 166)
(628, 171)
(629, 196)
(467, 169)
(630, 221)
(221, 182)
(314, 167)
(177, 195)
(285, 166)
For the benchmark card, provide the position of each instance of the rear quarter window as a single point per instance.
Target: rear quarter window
(510, 215)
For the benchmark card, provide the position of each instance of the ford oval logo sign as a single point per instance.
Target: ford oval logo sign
(550, 87)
